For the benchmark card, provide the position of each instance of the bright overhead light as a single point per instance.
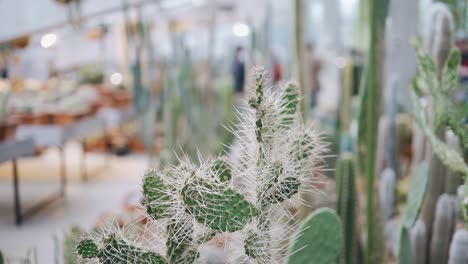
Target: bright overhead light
(116, 78)
(241, 30)
(48, 40)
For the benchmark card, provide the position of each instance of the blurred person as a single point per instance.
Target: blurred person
(315, 66)
(238, 70)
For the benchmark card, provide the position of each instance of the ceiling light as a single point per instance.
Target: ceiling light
(116, 78)
(241, 30)
(48, 40)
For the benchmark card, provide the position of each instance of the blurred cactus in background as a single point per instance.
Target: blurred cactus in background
(458, 253)
(443, 229)
(190, 206)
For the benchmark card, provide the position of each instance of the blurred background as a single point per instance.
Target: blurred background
(93, 93)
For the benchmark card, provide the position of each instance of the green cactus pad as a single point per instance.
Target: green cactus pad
(289, 103)
(87, 248)
(118, 251)
(156, 198)
(320, 239)
(222, 170)
(277, 190)
(217, 207)
(404, 247)
(418, 189)
(303, 148)
(178, 240)
(249, 245)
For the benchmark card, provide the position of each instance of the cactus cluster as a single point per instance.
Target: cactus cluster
(242, 207)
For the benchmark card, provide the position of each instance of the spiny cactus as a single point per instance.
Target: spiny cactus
(347, 206)
(458, 247)
(419, 240)
(443, 228)
(319, 240)
(243, 206)
(387, 192)
(436, 81)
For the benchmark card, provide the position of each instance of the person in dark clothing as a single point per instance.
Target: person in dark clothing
(238, 70)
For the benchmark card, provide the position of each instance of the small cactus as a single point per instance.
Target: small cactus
(319, 240)
(443, 228)
(458, 248)
(247, 205)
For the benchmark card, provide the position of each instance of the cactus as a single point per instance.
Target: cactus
(347, 206)
(194, 203)
(437, 80)
(415, 199)
(319, 240)
(458, 253)
(387, 193)
(418, 236)
(453, 179)
(443, 228)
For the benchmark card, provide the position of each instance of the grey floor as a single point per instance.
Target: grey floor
(84, 204)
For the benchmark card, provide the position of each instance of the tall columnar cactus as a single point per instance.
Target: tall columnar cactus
(419, 240)
(443, 228)
(242, 207)
(458, 247)
(387, 192)
(438, 88)
(439, 40)
(347, 207)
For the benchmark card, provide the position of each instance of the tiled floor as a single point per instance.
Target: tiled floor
(83, 205)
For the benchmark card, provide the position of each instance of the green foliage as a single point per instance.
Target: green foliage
(416, 195)
(319, 240)
(404, 247)
(347, 206)
(414, 203)
(222, 170)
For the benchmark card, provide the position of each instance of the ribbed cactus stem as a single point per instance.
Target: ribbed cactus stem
(444, 225)
(459, 248)
(347, 206)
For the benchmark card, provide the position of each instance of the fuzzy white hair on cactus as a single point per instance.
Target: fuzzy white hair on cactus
(243, 205)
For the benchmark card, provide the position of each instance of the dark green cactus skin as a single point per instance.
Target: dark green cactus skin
(443, 229)
(222, 170)
(290, 100)
(217, 207)
(278, 190)
(155, 196)
(303, 148)
(178, 241)
(346, 207)
(319, 240)
(87, 249)
(117, 251)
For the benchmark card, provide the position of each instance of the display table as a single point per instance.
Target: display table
(12, 151)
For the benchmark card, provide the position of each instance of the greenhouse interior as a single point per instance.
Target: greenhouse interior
(234, 131)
